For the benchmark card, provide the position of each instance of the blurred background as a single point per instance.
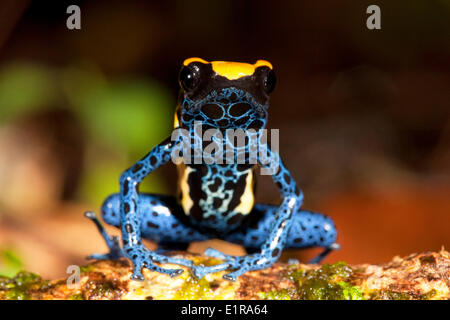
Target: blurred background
(363, 115)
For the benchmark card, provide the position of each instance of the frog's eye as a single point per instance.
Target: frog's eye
(189, 77)
(269, 81)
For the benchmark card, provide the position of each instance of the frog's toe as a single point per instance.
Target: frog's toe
(98, 256)
(137, 275)
(230, 277)
(198, 272)
(171, 272)
(211, 252)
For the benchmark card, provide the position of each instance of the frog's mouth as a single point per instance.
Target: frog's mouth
(231, 108)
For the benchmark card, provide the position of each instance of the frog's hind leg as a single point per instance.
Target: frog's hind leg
(308, 229)
(160, 223)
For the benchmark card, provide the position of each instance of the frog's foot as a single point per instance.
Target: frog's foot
(324, 253)
(113, 243)
(231, 262)
(141, 257)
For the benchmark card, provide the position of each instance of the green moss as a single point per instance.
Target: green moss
(394, 295)
(21, 286)
(87, 268)
(77, 296)
(284, 294)
(330, 282)
(429, 295)
(194, 289)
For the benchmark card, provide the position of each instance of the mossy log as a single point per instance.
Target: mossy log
(415, 277)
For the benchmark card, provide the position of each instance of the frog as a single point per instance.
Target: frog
(215, 200)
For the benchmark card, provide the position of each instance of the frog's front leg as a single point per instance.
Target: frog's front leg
(132, 217)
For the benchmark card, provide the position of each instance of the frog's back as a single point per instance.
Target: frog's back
(216, 197)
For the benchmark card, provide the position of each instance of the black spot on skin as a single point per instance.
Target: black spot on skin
(152, 225)
(287, 178)
(239, 109)
(229, 185)
(316, 227)
(254, 238)
(126, 207)
(217, 202)
(242, 121)
(256, 124)
(275, 252)
(236, 218)
(134, 256)
(212, 111)
(243, 167)
(129, 250)
(187, 117)
(279, 184)
(199, 118)
(128, 228)
(175, 225)
(155, 214)
(223, 123)
(298, 240)
(125, 242)
(303, 228)
(228, 173)
(190, 233)
(153, 160)
(153, 203)
(321, 239)
(136, 168)
(125, 189)
(215, 186)
(233, 97)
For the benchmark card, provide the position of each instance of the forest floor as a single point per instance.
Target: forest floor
(421, 276)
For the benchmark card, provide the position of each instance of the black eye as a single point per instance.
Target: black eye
(269, 81)
(189, 77)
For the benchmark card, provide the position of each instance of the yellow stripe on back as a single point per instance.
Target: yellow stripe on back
(231, 70)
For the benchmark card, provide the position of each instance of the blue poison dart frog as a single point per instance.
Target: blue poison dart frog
(215, 200)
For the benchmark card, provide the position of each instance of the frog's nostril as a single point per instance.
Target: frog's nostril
(239, 109)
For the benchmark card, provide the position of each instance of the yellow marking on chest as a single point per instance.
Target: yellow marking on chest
(232, 70)
(247, 198)
(186, 201)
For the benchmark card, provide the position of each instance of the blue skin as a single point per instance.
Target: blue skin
(264, 232)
